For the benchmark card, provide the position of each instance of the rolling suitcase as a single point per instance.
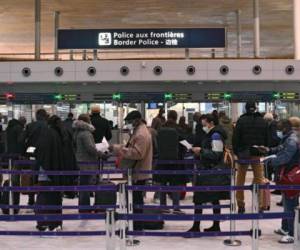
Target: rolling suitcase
(104, 197)
(153, 225)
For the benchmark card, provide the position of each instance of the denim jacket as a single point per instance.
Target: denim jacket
(287, 153)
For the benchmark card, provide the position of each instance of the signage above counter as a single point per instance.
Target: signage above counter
(141, 38)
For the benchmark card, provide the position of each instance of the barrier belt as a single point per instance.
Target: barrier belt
(167, 162)
(62, 233)
(188, 234)
(118, 171)
(205, 217)
(52, 217)
(53, 173)
(248, 162)
(51, 207)
(59, 188)
(188, 189)
(180, 207)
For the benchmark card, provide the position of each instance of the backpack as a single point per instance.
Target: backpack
(168, 144)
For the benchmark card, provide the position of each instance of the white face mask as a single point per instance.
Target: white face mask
(279, 134)
(206, 129)
(129, 126)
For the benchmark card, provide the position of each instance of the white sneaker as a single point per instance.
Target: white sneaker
(281, 232)
(286, 240)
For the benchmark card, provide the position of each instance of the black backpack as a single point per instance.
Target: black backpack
(168, 144)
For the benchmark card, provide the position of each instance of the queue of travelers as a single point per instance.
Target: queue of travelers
(62, 145)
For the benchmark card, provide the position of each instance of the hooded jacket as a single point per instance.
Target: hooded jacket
(85, 148)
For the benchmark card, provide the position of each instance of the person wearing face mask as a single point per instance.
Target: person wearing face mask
(211, 154)
(287, 155)
(251, 129)
(138, 151)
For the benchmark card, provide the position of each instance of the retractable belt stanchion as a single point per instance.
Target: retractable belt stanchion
(232, 241)
(255, 222)
(131, 241)
(10, 200)
(297, 227)
(123, 210)
(110, 229)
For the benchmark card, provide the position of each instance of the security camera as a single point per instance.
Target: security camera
(191, 70)
(157, 70)
(91, 71)
(290, 69)
(124, 70)
(257, 69)
(224, 69)
(26, 72)
(58, 71)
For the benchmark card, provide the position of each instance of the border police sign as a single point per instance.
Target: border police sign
(141, 38)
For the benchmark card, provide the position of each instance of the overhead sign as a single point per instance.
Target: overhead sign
(141, 38)
(252, 96)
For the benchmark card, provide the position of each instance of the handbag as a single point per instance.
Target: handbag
(291, 177)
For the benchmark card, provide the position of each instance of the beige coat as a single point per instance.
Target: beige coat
(139, 148)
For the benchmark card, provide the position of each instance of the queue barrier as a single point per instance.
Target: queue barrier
(126, 210)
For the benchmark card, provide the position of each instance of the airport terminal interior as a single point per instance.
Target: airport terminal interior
(207, 57)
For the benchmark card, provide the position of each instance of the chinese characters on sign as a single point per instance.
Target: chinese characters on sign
(141, 38)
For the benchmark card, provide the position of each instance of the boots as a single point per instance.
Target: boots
(214, 228)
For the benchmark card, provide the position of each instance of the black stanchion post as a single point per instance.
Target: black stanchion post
(131, 241)
(232, 241)
(110, 229)
(123, 210)
(255, 222)
(10, 200)
(297, 227)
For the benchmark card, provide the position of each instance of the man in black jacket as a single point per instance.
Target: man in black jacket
(102, 128)
(251, 129)
(34, 132)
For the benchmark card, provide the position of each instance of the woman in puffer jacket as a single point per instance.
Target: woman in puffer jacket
(85, 150)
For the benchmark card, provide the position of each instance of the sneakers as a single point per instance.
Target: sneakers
(178, 212)
(281, 232)
(166, 211)
(214, 228)
(286, 240)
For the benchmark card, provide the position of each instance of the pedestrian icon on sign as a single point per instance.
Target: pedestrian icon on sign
(104, 39)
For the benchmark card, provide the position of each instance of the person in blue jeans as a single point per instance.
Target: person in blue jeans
(287, 155)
